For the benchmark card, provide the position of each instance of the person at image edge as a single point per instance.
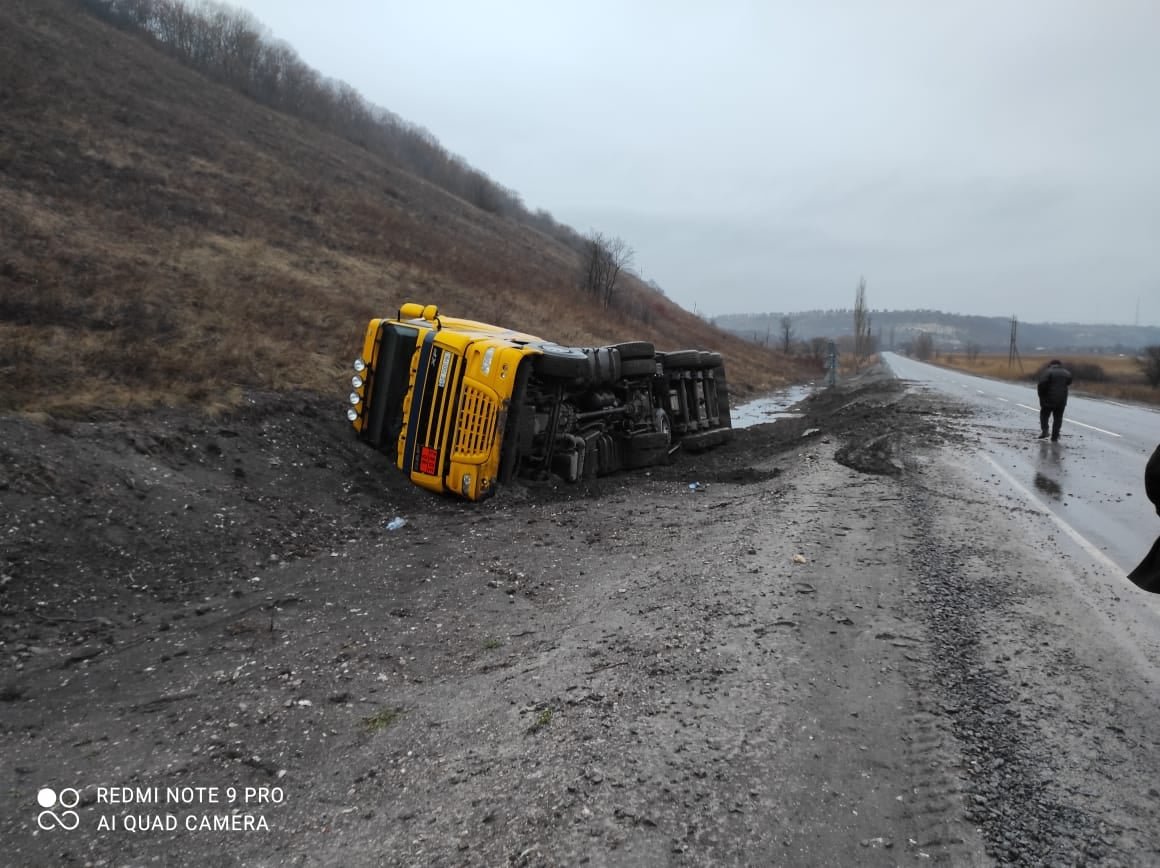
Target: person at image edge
(1147, 574)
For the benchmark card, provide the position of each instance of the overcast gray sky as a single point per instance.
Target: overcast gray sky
(974, 156)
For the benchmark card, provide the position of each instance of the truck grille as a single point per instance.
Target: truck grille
(476, 429)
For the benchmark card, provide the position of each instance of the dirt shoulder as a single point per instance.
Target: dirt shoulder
(630, 672)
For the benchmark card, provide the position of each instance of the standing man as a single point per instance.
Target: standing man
(1147, 574)
(1053, 383)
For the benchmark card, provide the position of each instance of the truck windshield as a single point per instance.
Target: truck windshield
(388, 385)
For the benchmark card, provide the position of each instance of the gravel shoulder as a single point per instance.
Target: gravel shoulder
(840, 648)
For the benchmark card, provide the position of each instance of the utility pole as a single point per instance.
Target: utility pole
(1013, 349)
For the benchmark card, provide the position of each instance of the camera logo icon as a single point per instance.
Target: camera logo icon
(64, 818)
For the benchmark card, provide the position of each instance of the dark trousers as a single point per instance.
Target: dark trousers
(1055, 414)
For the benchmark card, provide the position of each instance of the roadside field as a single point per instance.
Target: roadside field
(1108, 376)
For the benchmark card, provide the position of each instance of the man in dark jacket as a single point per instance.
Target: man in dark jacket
(1053, 383)
(1147, 574)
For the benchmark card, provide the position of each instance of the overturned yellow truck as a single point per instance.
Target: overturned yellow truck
(464, 407)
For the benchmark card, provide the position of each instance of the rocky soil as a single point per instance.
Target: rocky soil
(805, 647)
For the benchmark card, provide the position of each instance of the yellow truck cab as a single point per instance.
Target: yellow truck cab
(462, 406)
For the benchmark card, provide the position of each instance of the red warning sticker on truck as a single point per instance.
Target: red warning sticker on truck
(428, 460)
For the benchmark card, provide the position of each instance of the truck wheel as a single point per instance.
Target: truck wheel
(637, 367)
(682, 359)
(606, 365)
(564, 363)
(636, 350)
(709, 360)
(724, 417)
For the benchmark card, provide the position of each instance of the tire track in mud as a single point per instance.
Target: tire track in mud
(936, 795)
(1011, 793)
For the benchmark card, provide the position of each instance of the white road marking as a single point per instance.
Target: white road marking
(1094, 428)
(980, 391)
(1073, 422)
(1075, 535)
(1004, 400)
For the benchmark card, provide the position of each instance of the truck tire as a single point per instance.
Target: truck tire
(724, 416)
(606, 365)
(637, 367)
(636, 350)
(563, 363)
(709, 360)
(682, 359)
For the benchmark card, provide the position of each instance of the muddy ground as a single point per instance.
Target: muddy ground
(800, 648)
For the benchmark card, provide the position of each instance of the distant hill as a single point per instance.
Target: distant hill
(169, 236)
(894, 328)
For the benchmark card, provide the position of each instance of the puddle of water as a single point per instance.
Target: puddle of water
(770, 407)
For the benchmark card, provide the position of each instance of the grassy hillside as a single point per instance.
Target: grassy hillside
(168, 240)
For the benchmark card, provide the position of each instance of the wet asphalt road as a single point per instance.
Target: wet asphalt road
(1092, 481)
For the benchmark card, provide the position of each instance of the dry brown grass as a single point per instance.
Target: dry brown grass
(1124, 379)
(167, 241)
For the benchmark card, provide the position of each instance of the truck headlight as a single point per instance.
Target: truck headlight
(485, 366)
(356, 381)
(352, 414)
(354, 397)
(465, 484)
(359, 366)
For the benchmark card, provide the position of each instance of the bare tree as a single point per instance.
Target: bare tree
(861, 323)
(786, 334)
(1149, 362)
(605, 259)
(972, 351)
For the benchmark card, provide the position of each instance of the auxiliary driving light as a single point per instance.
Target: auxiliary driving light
(356, 381)
(352, 414)
(354, 397)
(360, 365)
